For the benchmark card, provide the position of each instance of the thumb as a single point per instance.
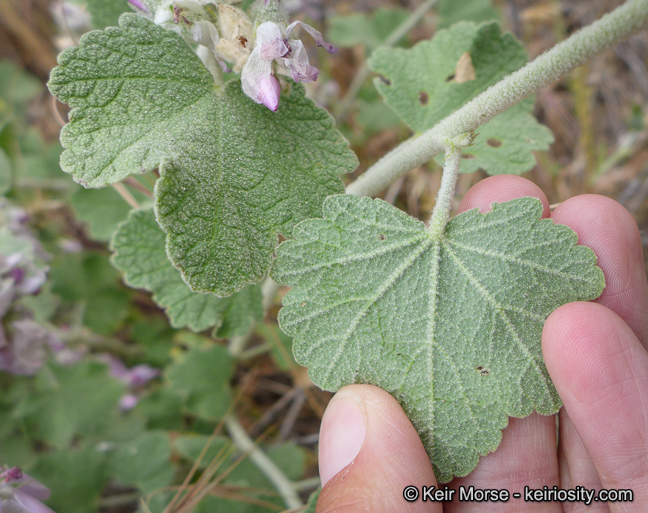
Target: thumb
(369, 452)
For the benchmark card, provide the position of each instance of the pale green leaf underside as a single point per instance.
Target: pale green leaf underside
(504, 145)
(234, 174)
(450, 327)
(140, 255)
(422, 91)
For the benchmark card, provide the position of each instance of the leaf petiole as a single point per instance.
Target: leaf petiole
(441, 212)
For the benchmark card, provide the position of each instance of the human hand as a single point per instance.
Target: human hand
(596, 354)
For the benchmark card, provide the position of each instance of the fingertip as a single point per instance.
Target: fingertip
(342, 433)
(390, 457)
(501, 188)
(611, 232)
(600, 371)
(568, 341)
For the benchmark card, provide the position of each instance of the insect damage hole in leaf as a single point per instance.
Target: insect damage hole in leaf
(414, 313)
(464, 71)
(453, 67)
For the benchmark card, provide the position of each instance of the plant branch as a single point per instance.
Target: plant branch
(545, 69)
(244, 443)
(393, 38)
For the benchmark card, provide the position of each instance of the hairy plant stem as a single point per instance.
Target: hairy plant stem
(441, 212)
(393, 38)
(244, 443)
(545, 69)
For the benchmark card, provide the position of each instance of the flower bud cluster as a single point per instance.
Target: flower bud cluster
(259, 47)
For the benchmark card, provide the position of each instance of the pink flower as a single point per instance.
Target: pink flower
(274, 45)
(135, 377)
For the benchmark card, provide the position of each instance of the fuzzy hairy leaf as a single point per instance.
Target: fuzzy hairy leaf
(69, 402)
(202, 380)
(144, 462)
(76, 477)
(430, 81)
(223, 200)
(139, 254)
(449, 326)
(234, 174)
(133, 91)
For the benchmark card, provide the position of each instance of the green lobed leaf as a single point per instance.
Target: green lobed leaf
(144, 462)
(17, 89)
(478, 11)
(132, 91)
(161, 409)
(450, 326)
(76, 478)
(202, 379)
(422, 89)
(234, 174)
(88, 282)
(82, 400)
(140, 255)
(504, 145)
(223, 201)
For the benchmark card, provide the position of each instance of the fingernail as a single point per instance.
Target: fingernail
(342, 433)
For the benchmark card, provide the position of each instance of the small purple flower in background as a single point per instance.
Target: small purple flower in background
(20, 493)
(135, 377)
(274, 45)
